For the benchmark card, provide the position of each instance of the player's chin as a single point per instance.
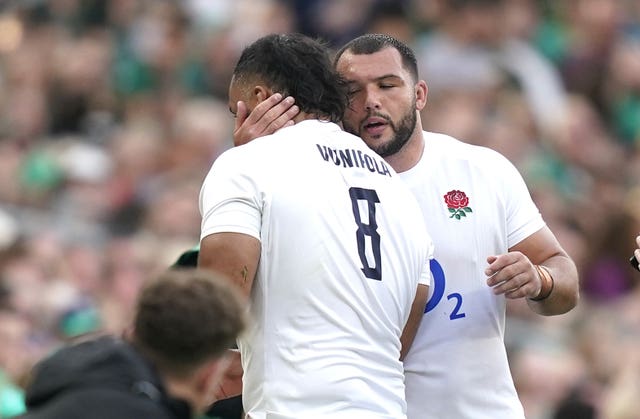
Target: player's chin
(376, 141)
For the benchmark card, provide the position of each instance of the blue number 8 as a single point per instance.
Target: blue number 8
(370, 230)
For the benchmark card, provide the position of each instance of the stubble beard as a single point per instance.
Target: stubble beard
(401, 133)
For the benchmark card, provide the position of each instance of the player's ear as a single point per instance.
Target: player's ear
(261, 93)
(421, 91)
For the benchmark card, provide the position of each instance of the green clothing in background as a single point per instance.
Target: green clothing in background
(11, 398)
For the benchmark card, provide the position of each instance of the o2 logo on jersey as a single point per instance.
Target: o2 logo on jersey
(439, 284)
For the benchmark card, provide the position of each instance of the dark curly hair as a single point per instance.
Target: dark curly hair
(186, 317)
(296, 65)
(374, 42)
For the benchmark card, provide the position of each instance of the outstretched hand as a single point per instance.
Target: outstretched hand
(513, 275)
(635, 259)
(268, 116)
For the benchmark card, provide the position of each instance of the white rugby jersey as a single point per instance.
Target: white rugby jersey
(344, 247)
(475, 204)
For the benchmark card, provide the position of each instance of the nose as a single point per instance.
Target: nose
(372, 100)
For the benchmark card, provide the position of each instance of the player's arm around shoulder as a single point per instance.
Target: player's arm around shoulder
(539, 270)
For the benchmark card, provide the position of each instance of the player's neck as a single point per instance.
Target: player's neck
(303, 116)
(410, 154)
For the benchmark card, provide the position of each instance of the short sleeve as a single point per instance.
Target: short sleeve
(425, 277)
(523, 216)
(230, 198)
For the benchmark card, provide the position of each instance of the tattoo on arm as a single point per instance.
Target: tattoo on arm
(245, 273)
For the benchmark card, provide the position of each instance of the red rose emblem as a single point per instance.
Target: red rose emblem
(456, 199)
(457, 204)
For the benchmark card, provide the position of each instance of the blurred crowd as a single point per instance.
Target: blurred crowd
(111, 112)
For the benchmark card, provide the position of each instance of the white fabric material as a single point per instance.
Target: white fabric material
(457, 367)
(325, 338)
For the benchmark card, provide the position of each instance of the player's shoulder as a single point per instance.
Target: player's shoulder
(241, 160)
(230, 157)
(258, 149)
(450, 148)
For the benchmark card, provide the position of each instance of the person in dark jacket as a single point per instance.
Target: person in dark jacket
(167, 367)
(224, 407)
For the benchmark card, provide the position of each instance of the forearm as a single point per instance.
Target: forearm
(565, 293)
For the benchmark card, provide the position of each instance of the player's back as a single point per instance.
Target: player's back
(343, 248)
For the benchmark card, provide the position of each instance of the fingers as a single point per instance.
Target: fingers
(636, 254)
(499, 262)
(281, 115)
(268, 116)
(515, 287)
(507, 283)
(513, 275)
(241, 114)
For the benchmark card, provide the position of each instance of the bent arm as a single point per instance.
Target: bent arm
(234, 255)
(415, 317)
(542, 248)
